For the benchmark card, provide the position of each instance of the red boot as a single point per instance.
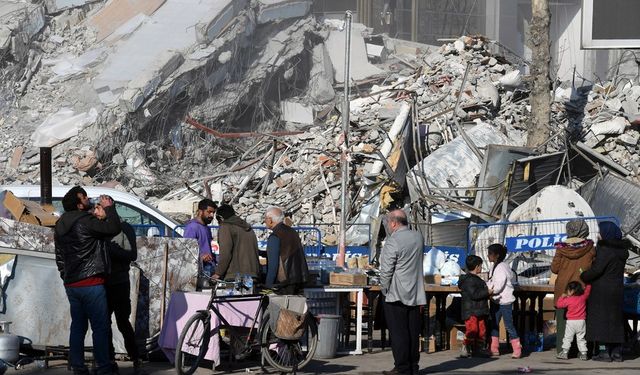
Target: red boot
(517, 348)
(495, 346)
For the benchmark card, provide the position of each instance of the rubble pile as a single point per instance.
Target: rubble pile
(606, 118)
(245, 105)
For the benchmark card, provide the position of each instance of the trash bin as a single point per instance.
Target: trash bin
(327, 336)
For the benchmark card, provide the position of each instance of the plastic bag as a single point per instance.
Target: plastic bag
(434, 259)
(450, 268)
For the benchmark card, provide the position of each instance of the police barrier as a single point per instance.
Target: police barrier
(530, 244)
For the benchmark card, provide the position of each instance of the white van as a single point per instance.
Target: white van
(146, 219)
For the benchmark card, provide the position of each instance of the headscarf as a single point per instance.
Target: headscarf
(609, 231)
(577, 228)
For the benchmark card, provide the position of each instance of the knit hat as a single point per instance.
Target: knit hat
(577, 228)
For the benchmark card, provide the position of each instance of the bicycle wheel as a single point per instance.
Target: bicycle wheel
(288, 355)
(193, 343)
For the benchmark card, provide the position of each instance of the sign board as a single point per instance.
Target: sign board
(533, 243)
(610, 24)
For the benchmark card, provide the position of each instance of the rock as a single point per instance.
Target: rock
(118, 159)
(629, 138)
(458, 45)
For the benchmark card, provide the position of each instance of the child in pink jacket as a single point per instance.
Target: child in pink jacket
(575, 301)
(501, 307)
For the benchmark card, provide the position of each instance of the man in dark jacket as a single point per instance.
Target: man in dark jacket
(475, 307)
(81, 256)
(605, 315)
(238, 246)
(286, 263)
(122, 251)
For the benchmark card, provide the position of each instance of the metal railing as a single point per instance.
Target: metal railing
(530, 244)
(311, 237)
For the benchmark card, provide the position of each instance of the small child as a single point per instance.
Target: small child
(575, 301)
(501, 282)
(475, 309)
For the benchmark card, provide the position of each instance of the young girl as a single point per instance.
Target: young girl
(501, 281)
(575, 301)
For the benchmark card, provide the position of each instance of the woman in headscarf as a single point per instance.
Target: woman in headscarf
(605, 318)
(572, 256)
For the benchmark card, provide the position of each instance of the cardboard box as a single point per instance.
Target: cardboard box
(432, 279)
(350, 279)
(456, 338)
(30, 212)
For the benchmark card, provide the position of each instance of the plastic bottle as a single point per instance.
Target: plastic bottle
(249, 284)
(236, 285)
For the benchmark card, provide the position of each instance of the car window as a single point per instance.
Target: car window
(142, 222)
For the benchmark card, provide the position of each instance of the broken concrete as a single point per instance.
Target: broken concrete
(274, 10)
(360, 66)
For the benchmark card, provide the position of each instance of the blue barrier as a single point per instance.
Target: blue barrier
(530, 244)
(523, 236)
(311, 237)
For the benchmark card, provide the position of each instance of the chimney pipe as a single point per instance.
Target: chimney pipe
(45, 176)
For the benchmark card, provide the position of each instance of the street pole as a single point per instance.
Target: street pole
(344, 187)
(540, 45)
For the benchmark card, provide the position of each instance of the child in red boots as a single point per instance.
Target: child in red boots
(475, 309)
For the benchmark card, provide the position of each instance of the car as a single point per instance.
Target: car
(146, 219)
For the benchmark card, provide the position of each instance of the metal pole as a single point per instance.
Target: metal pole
(344, 204)
(45, 176)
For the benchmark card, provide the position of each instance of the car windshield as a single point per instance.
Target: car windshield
(160, 213)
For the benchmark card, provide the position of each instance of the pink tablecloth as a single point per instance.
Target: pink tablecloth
(184, 304)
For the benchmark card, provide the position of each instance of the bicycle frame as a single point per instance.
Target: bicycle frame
(212, 306)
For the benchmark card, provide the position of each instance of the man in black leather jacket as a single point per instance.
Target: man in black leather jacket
(83, 262)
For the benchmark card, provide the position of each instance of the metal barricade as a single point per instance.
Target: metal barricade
(311, 237)
(530, 244)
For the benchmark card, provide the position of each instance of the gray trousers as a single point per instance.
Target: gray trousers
(577, 328)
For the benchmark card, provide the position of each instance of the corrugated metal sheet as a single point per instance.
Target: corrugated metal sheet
(498, 160)
(543, 171)
(616, 196)
(449, 233)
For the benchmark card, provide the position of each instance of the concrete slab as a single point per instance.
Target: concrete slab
(57, 6)
(360, 66)
(296, 112)
(116, 13)
(273, 10)
(171, 28)
(20, 22)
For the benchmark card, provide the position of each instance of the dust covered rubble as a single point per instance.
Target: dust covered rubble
(236, 82)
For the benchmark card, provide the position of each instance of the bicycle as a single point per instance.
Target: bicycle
(283, 355)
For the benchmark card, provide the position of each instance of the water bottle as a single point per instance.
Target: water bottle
(249, 284)
(236, 285)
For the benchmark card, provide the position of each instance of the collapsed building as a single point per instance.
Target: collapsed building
(242, 100)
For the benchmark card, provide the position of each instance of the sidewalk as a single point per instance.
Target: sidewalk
(444, 362)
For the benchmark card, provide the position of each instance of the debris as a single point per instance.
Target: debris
(360, 66)
(61, 126)
(274, 10)
(296, 112)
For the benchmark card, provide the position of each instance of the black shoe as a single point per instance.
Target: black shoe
(393, 371)
(601, 357)
(617, 358)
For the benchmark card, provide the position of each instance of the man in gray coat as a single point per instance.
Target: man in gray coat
(402, 285)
